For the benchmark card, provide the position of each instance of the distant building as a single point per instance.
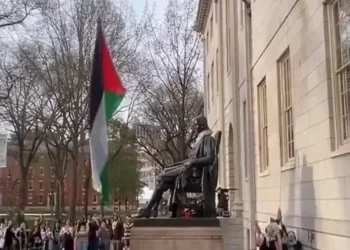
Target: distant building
(41, 193)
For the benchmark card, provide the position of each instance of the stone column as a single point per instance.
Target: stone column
(237, 208)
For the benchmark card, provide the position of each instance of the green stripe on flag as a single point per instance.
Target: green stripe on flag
(112, 102)
(104, 195)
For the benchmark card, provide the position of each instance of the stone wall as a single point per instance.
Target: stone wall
(313, 194)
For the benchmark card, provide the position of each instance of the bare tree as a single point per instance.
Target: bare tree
(25, 110)
(171, 79)
(65, 41)
(15, 12)
(57, 141)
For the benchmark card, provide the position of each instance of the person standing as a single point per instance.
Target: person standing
(92, 234)
(117, 234)
(43, 236)
(22, 236)
(10, 236)
(127, 233)
(67, 236)
(2, 233)
(81, 237)
(35, 239)
(56, 243)
(105, 239)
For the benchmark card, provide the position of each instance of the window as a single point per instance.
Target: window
(83, 183)
(208, 90)
(211, 26)
(217, 11)
(83, 198)
(341, 43)
(52, 172)
(228, 36)
(41, 185)
(207, 41)
(217, 70)
(51, 200)
(286, 107)
(40, 199)
(41, 171)
(30, 199)
(30, 172)
(94, 199)
(242, 5)
(52, 185)
(263, 131)
(30, 185)
(212, 81)
(245, 139)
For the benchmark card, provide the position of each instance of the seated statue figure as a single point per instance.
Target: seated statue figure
(202, 160)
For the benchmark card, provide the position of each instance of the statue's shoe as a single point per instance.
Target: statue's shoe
(144, 213)
(154, 213)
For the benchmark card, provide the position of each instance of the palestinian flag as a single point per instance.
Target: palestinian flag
(106, 94)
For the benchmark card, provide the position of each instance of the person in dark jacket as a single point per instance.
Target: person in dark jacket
(36, 241)
(10, 236)
(117, 233)
(92, 234)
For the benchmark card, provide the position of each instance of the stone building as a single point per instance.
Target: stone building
(277, 85)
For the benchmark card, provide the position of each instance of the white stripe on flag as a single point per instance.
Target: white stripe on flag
(98, 146)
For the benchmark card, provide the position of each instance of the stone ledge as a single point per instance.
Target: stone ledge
(167, 222)
(178, 237)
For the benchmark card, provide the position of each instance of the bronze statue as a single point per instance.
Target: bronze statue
(201, 164)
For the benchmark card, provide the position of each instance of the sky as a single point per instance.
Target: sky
(140, 4)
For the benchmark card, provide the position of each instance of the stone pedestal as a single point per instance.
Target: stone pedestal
(177, 234)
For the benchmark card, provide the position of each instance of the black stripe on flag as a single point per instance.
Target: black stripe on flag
(96, 85)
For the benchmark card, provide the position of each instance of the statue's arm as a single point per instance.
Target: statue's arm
(209, 154)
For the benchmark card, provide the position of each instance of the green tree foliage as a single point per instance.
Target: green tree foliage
(123, 167)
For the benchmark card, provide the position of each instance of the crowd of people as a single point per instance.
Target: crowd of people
(90, 233)
(276, 236)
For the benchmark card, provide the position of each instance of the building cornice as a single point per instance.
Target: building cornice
(202, 15)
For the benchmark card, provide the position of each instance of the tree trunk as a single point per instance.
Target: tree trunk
(62, 197)
(23, 191)
(72, 211)
(58, 201)
(87, 190)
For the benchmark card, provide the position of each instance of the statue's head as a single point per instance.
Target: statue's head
(201, 123)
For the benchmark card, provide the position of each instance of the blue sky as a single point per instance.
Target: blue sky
(140, 4)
